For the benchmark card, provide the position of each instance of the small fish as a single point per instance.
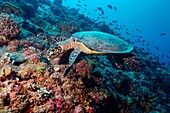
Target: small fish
(163, 34)
(138, 40)
(157, 48)
(109, 6)
(136, 29)
(99, 8)
(99, 14)
(102, 12)
(140, 36)
(110, 24)
(115, 8)
(127, 33)
(113, 21)
(78, 5)
(143, 40)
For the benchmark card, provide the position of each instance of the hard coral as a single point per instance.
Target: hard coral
(83, 69)
(58, 2)
(3, 39)
(11, 9)
(5, 71)
(14, 45)
(67, 27)
(8, 28)
(57, 10)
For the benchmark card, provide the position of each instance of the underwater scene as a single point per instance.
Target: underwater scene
(84, 56)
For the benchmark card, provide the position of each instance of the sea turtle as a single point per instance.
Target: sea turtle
(89, 42)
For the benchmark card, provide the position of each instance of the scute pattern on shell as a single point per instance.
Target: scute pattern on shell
(102, 42)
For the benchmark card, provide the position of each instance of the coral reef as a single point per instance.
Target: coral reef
(8, 28)
(9, 8)
(134, 63)
(31, 78)
(67, 27)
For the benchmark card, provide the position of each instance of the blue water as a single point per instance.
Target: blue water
(149, 16)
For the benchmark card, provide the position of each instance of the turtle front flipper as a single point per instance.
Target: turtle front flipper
(54, 52)
(72, 58)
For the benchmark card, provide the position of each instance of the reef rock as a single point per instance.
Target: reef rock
(8, 28)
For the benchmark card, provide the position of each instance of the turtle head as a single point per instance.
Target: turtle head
(54, 52)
